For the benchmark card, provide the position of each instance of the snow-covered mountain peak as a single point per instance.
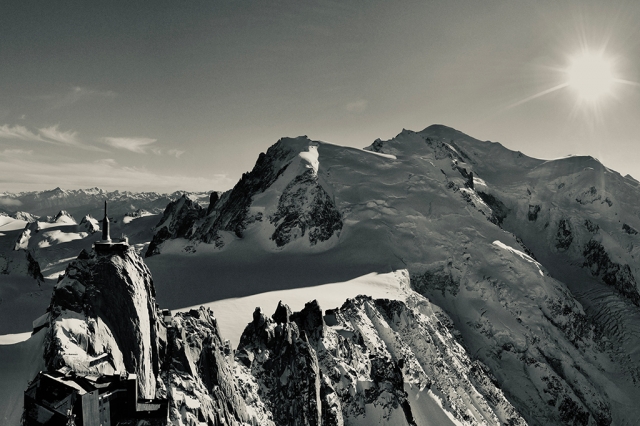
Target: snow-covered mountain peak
(64, 217)
(511, 247)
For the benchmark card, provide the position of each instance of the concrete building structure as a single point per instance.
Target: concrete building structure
(59, 397)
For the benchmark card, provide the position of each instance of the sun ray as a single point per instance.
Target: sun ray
(629, 82)
(537, 95)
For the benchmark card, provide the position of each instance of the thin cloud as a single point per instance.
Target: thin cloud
(9, 202)
(77, 94)
(107, 161)
(19, 132)
(27, 175)
(67, 138)
(51, 135)
(15, 152)
(175, 152)
(357, 106)
(83, 91)
(139, 145)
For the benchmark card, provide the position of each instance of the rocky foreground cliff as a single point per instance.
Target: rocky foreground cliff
(366, 362)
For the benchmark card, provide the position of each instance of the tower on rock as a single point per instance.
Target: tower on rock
(108, 246)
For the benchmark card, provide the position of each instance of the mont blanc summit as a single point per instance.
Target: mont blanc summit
(428, 279)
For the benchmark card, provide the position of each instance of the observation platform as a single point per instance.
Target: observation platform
(117, 246)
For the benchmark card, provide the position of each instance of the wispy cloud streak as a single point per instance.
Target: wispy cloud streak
(139, 145)
(357, 106)
(51, 135)
(67, 138)
(21, 174)
(19, 132)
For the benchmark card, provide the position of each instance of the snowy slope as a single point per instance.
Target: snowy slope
(234, 314)
(20, 363)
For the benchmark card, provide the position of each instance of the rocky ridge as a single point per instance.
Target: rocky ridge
(385, 361)
(371, 361)
(304, 207)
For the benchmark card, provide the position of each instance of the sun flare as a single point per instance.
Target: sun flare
(591, 76)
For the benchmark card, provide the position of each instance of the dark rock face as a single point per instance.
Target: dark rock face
(533, 212)
(178, 221)
(629, 230)
(564, 237)
(591, 227)
(213, 200)
(376, 146)
(439, 279)
(467, 175)
(305, 206)
(231, 211)
(500, 211)
(199, 365)
(33, 267)
(591, 195)
(597, 260)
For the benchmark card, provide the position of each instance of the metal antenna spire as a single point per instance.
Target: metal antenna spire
(105, 225)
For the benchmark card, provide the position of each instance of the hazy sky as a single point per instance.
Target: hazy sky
(168, 95)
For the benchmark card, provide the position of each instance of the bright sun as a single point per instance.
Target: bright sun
(591, 75)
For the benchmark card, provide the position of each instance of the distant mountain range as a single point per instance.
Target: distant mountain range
(79, 202)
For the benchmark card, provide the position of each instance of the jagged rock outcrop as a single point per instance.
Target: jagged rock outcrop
(63, 217)
(201, 379)
(28, 217)
(369, 361)
(103, 319)
(614, 274)
(564, 236)
(22, 243)
(213, 200)
(231, 212)
(305, 207)
(89, 224)
(178, 221)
